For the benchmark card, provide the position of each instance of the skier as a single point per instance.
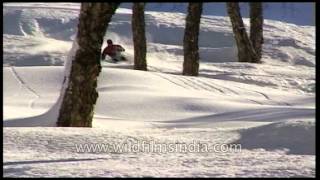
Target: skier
(114, 51)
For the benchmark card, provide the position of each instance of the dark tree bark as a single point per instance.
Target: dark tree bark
(139, 37)
(80, 95)
(256, 27)
(190, 40)
(246, 52)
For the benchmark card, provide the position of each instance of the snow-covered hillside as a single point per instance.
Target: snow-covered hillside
(300, 13)
(268, 108)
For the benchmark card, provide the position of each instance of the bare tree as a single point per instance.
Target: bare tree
(246, 52)
(80, 94)
(139, 36)
(256, 27)
(190, 40)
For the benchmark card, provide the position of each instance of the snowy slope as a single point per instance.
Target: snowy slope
(268, 108)
(300, 13)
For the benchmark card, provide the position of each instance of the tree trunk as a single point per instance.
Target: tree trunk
(246, 52)
(190, 40)
(139, 37)
(256, 28)
(80, 95)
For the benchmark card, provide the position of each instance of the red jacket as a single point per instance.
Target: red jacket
(112, 49)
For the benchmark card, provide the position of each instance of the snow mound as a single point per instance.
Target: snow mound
(298, 137)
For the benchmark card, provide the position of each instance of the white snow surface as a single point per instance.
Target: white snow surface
(268, 108)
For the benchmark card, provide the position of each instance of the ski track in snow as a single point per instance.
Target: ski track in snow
(192, 83)
(25, 85)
